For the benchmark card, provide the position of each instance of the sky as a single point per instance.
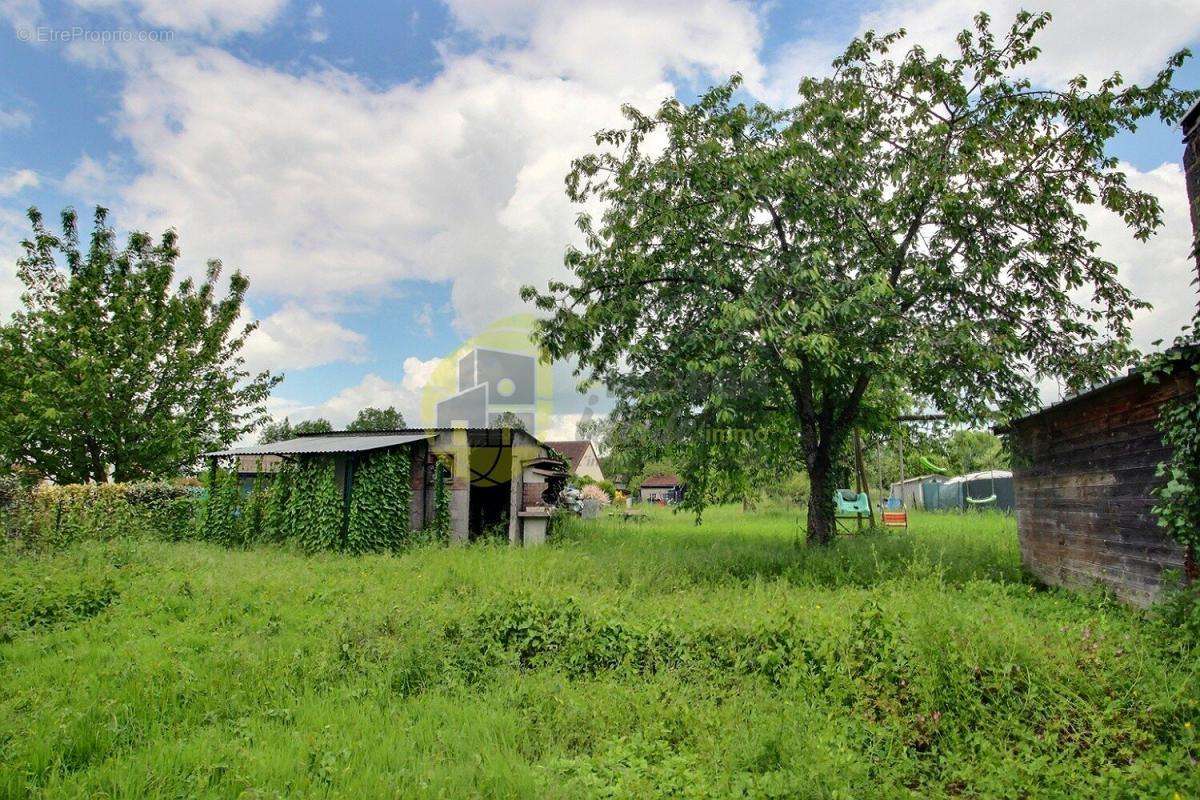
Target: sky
(389, 174)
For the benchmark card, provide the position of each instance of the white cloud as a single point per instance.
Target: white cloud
(15, 181)
(425, 319)
(13, 228)
(21, 14)
(317, 30)
(562, 428)
(372, 390)
(87, 179)
(13, 118)
(320, 186)
(294, 338)
(794, 61)
(204, 17)
(1159, 270)
(1093, 38)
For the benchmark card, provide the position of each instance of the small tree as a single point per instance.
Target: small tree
(281, 430)
(377, 419)
(110, 369)
(913, 227)
(507, 419)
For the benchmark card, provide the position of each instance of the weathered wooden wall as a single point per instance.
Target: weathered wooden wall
(1083, 471)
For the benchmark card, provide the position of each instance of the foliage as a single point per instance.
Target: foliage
(52, 515)
(722, 661)
(224, 522)
(255, 508)
(1178, 506)
(379, 503)
(112, 369)
(315, 506)
(280, 515)
(508, 419)
(282, 430)
(974, 451)
(377, 419)
(440, 524)
(789, 490)
(911, 231)
(594, 492)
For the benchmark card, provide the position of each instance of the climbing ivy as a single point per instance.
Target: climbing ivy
(254, 513)
(303, 502)
(441, 502)
(380, 497)
(278, 527)
(314, 507)
(1178, 507)
(223, 509)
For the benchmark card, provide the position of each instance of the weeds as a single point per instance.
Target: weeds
(656, 660)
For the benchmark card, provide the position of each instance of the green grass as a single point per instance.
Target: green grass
(652, 660)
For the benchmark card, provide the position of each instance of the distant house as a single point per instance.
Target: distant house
(661, 489)
(581, 458)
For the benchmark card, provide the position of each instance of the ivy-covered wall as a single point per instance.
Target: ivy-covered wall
(303, 502)
(380, 502)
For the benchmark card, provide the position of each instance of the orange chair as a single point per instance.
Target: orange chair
(894, 514)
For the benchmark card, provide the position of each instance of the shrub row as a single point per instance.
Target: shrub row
(58, 515)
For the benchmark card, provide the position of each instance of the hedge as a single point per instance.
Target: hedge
(50, 515)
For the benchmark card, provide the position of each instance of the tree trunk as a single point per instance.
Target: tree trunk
(97, 463)
(822, 527)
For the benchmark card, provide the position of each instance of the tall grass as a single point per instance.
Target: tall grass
(658, 659)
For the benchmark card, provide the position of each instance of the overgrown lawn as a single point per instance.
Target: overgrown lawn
(627, 660)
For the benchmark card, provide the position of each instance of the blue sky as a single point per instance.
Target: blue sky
(388, 174)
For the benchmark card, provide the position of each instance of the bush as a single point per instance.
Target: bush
(55, 515)
(792, 490)
(593, 491)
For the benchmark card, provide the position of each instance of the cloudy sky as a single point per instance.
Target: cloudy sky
(388, 174)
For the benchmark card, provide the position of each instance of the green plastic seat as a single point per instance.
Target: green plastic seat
(849, 504)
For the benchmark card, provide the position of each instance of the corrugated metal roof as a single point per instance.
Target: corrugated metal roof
(318, 444)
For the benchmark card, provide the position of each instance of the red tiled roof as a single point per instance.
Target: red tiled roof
(658, 481)
(572, 451)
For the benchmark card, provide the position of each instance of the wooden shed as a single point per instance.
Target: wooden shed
(1084, 470)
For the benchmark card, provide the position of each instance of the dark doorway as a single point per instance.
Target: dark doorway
(489, 510)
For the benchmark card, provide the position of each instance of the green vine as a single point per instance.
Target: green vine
(314, 507)
(254, 513)
(223, 509)
(379, 503)
(441, 502)
(278, 527)
(1178, 506)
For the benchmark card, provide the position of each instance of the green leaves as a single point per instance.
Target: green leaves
(441, 502)
(912, 227)
(380, 498)
(108, 371)
(1178, 507)
(315, 506)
